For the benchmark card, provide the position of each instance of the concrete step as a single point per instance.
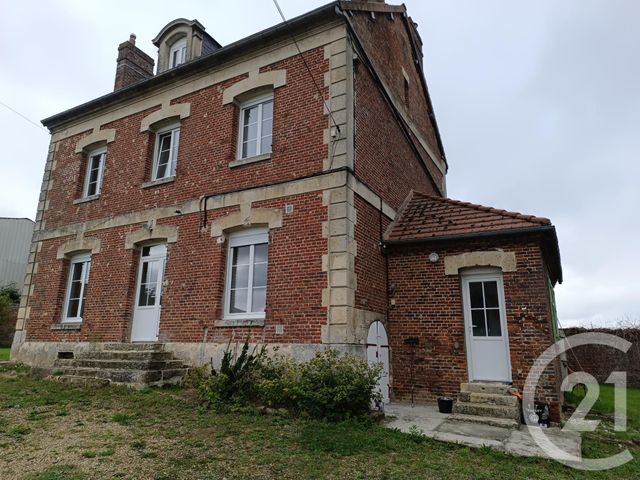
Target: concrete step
(135, 377)
(121, 364)
(84, 381)
(139, 356)
(135, 347)
(487, 410)
(490, 388)
(494, 422)
(488, 398)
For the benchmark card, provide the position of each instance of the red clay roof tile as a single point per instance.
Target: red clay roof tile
(429, 216)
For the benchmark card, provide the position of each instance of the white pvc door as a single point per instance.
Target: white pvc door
(486, 328)
(378, 352)
(146, 315)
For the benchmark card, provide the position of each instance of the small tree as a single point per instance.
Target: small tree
(9, 301)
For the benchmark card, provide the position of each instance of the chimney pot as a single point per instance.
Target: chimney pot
(132, 38)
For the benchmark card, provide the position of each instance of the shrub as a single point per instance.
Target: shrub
(235, 383)
(337, 387)
(329, 386)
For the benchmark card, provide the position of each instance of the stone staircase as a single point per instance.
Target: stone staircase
(133, 364)
(488, 404)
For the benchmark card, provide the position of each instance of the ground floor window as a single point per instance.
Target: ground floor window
(77, 284)
(246, 282)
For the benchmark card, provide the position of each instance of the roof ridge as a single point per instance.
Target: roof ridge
(484, 208)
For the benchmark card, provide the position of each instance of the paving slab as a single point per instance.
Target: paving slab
(477, 430)
(404, 417)
(434, 424)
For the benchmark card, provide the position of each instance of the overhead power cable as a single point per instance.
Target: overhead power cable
(24, 117)
(308, 69)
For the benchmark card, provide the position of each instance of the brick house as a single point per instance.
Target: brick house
(279, 189)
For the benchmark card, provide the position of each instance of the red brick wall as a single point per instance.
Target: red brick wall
(384, 159)
(194, 282)
(370, 266)
(429, 307)
(388, 45)
(207, 145)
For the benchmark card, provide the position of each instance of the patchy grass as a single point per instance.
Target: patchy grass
(108, 433)
(4, 353)
(604, 409)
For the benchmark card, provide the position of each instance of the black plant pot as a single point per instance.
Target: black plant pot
(445, 404)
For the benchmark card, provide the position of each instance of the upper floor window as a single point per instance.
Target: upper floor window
(95, 169)
(256, 125)
(246, 286)
(77, 284)
(178, 53)
(166, 152)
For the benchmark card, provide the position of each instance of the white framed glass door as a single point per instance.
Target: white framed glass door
(486, 327)
(146, 313)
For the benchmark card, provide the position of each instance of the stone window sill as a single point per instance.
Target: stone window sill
(160, 181)
(70, 326)
(240, 322)
(246, 161)
(86, 199)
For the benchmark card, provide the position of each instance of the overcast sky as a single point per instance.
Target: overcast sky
(538, 104)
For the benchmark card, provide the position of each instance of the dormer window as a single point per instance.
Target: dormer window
(178, 53)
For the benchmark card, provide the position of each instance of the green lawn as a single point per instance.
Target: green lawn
(50, 431)
(4, 353)
(605, 406)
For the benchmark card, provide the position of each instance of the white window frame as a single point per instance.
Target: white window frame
(174, 130)
(248, 237)
(102, 152)
(85, 259)
(179, 47)
(259, 101)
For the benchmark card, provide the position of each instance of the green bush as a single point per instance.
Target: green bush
(337, 387)
(235, 383)
(329, 386)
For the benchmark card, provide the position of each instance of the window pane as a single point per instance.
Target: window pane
(163, 162)
(249, 149)
(238, 301)
(250, 118)
(267, 110)
(265, 144)
(260, 275)
(240, 276)
(76, 271)
(477, 319)
(72, 309)
(241, 255)
(475, 293)
(153, 250)
(491, 294)
(260, 253)
(493, 323)
(259, 298)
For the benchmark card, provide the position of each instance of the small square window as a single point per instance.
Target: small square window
(93, 175)
(246, 286)
(166, 152)
(256, 127)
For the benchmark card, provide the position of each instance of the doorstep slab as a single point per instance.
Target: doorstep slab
(477, 430)
(404, 417)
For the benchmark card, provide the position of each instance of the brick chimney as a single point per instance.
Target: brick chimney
(133, 64)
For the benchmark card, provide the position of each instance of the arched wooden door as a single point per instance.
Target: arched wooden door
(378, 352)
